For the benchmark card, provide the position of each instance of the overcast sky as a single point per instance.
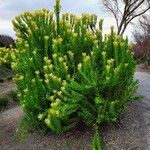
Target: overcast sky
(10, 8)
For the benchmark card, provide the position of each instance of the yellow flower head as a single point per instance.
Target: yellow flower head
(37, 72)
(126, 64)
(60, 59)
(70, 53)
(54, 56)
(59, 93)
(34, 52)
(14, 65)
(45, 68)
(19, 94)
(21, 77)
(40, 116)
(13, 56)
(46, 38)
(51, 98)
(26, 90)
(83, 54)
(87, 58)
(31, 59)
(48, 122)
(33, 80)
(63, 89)
(103, 53)
(108, 68)
(64, 82)
(54, 91)
(59, 80)
(79, 66)
(46, 81)
(50, 67)
(45, 58)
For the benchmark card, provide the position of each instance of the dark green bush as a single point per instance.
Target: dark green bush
(6, 41)
(68, 72)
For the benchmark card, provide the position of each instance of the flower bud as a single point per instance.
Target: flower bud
(51, 98)
(34, 52)
(63, 89)
(54, 91)
(83, 54)
(54, 56)
(45, 58)
(64, 82)
(46, 38)
(48, 122)
(40, 116)
(37, 72)
(45, 68)
(79, 66)
(33, 80)
(59, 93)
(60, 59)
(26, 90)
(46, 81)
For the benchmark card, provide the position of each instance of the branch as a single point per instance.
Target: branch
(139, 14)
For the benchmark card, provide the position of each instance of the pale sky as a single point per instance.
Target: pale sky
(10, 8)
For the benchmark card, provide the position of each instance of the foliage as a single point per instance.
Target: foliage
(5, 57)
(68, 72)
(6, 41)
(142, 38)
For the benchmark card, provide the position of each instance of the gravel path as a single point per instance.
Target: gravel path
(144, 79)
(132, 133)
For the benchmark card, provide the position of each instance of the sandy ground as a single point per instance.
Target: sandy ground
(131, 133)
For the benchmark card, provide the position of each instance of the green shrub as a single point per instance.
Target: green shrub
(5, 57)
(68, 72)
(6, 42)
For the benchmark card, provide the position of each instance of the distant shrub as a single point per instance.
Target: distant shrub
(142, 50)
(68, 72)
(6, 41)
(5, 57)
(142, 41)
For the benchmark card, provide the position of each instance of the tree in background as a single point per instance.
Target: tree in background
(124, 11)
(142, 39)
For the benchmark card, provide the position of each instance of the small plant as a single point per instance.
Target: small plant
(68, 72)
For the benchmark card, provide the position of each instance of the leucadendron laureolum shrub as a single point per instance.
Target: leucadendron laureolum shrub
(68, 72)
